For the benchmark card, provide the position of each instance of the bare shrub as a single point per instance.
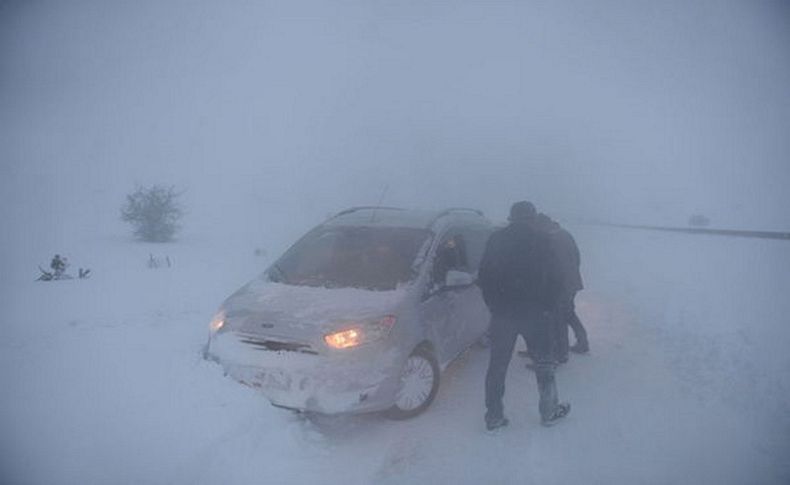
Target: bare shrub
(153, 212)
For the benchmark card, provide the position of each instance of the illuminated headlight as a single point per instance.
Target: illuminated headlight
(359, 333)
(217, 322)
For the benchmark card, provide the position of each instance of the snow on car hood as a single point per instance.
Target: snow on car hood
(275, 308)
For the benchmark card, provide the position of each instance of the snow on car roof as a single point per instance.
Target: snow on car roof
(394, 216)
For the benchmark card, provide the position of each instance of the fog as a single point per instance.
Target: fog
(616, 111)
(271, 115)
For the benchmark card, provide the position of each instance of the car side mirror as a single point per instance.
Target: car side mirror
(455, 279)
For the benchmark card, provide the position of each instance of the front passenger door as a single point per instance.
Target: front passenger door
(471, 309)
(444, 305)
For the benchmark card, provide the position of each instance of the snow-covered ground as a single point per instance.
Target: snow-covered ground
(270, 115)
(688, 379)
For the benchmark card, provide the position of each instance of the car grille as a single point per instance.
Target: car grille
(263, 343)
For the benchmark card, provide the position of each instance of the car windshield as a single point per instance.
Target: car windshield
(375, 258)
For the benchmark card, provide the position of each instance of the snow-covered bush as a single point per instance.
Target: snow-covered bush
(153, 212)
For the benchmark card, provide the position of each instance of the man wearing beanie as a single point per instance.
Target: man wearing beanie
(520, 284)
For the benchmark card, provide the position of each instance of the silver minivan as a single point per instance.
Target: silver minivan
(361, 314)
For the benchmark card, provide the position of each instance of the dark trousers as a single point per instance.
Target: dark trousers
(538, 330)
(566, 317)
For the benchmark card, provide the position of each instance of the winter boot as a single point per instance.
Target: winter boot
(562, 410)
(496, 423)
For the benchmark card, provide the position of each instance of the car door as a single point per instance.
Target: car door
(470, 308)
(435, 312)
(442, 306)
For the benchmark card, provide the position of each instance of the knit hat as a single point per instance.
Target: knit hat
(522, 211)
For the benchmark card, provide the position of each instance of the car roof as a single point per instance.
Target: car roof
(399, 217)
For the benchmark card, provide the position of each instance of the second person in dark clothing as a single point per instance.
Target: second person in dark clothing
(568, 261)
(520, 284)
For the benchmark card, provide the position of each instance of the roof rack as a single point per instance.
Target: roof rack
(454, 209)
(364, 207)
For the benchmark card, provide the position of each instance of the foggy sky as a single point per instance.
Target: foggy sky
(624, 111)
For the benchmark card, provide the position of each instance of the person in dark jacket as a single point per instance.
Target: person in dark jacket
(568, 261)
(520, 284)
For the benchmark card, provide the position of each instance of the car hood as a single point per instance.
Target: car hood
(303, 312)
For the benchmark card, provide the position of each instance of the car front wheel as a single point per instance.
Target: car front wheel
(418, 385)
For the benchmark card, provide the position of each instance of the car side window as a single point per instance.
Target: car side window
(476, 238)
(450, 255)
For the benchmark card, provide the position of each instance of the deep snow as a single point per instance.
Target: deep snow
(687, 381)
(270, 115)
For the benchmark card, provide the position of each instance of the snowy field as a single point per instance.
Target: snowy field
(687, 382)
(269, 115)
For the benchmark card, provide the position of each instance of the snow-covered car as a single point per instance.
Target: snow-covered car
(360, 314)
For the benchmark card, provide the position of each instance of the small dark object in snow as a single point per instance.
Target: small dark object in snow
(58, 266)
(698, 220)
(157, 262)
(45, 275)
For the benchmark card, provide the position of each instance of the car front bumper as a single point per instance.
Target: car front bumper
(344, 381)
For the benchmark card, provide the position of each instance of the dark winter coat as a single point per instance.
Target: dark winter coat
(568, 259)
(518, 273)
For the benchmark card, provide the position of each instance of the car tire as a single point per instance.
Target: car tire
(420, 379)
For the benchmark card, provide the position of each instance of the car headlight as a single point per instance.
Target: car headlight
(217, 323)
(359, 333)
